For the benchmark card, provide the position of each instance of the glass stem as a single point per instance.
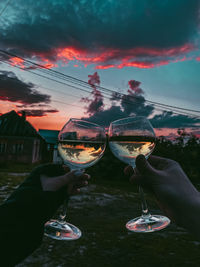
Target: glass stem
(145, 210)
(63, 213)
(62, 216)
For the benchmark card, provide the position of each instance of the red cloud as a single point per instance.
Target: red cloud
(46, 63)
(132, 57)
(16, 61)
(139, 57)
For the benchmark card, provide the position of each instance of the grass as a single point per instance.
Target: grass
(106, 242)
(7, 179)
(101, 213)
(17, 167)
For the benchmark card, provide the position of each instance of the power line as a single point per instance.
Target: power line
(58, 101)
(65, 103)
(167, 107)
(47, 77)
(81, 82)
(72, 79)
(63, 83)
(40, 86)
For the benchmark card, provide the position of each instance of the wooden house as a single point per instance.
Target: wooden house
(19, 140)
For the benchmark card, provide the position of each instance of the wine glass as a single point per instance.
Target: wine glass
(128, 138)
(80, 144)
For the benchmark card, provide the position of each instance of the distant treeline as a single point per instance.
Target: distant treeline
(185, 149)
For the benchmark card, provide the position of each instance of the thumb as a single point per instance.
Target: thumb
(143, 166)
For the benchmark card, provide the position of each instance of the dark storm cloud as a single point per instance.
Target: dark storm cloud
(96, 104)
(3, 57)
(33, 106)
(37, 112)
(169, 120)
(135, 87)
(106, 116)
(37, 28)
(164, 120)
(115, 112)
(134, 104)
(15, 90)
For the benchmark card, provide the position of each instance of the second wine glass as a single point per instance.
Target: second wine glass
(80, 144)
(128, 138)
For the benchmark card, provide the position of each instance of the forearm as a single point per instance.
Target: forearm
(23, 216)
(182, 207)
(22, 223)
(188, 216)
(20, 232)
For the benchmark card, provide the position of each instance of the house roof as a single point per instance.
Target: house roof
(50, 136)
(12, 124)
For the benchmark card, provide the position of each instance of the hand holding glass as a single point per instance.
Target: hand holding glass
(80, 144)
(128, 138)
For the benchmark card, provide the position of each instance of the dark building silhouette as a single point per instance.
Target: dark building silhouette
(19, 140)
(51, 138)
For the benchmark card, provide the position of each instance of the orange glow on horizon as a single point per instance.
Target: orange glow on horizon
(47, 123)
(56, 123)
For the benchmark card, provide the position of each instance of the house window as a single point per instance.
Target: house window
(3, 147)
(18, 148)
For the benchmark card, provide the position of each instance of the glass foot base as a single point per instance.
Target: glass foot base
(61, 230)
(148, 223)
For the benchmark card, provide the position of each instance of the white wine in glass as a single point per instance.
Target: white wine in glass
(127, 148)
(128, 138)
(80, 144)
(82, 153)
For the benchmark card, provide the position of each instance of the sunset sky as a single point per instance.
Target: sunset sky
(145, 50)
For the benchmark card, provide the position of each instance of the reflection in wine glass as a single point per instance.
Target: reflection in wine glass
(128, 138)
(80, 144)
